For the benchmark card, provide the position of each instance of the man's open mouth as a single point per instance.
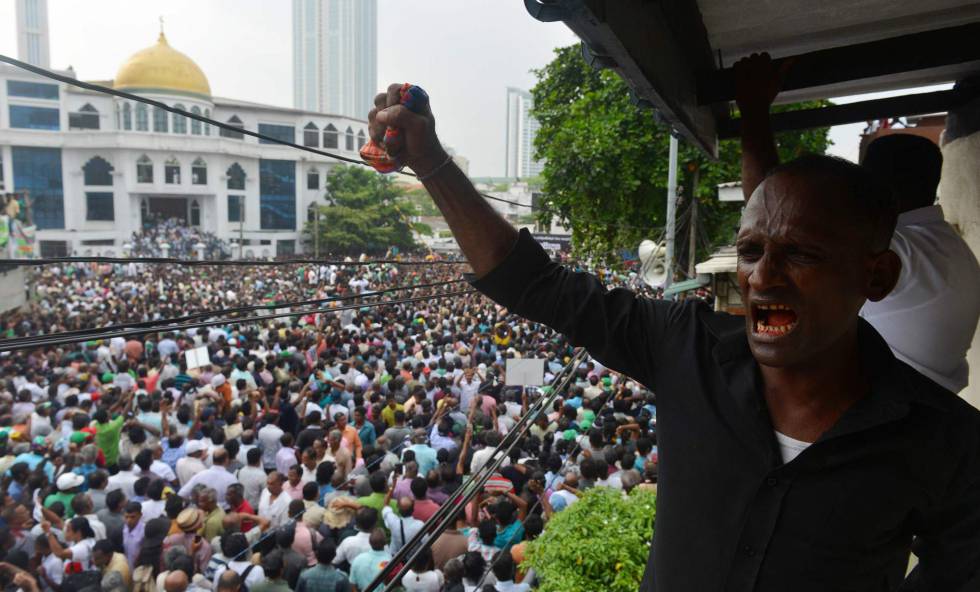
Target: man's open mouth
(773, 319)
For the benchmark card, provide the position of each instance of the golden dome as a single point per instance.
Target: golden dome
(161, 68)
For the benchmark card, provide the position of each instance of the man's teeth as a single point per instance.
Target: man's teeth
(761, 327)
(773, 307)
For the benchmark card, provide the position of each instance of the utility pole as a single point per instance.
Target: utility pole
(241, 227)
(316, 232)
(671, 210)
(692, 239)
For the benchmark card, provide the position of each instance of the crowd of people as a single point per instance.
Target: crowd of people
(182, 241)
(303, 452)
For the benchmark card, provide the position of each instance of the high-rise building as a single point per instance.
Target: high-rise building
(521, 130)
(32, 32)
(335, 56)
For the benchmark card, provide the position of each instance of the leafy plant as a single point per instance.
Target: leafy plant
(601, 542)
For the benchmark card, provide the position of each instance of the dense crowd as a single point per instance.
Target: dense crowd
(182, 241)
(306, 450)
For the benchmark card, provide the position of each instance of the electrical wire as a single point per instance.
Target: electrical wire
(575, 451)
(94, 332)
(441, 520)
(53, 340)
(207, 120)
(292, 519)
(218, 263)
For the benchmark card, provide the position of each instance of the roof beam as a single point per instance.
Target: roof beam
(917, 104)
(655, 46)
(914, 52)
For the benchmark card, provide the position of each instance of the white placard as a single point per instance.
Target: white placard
(525, 372)
(197, 357)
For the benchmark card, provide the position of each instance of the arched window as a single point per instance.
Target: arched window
(171, 171)
(127, 116)
(195, 213)
(361, 139)
(236, 176)
(313, 179)
(180, 122)
(160, 120)
(142, 118)
(199, 172)
(349, 143)
(330, 136)
(226, 133)
(144, 167)
(311, 135)
(85, 118)
(97, 171)
(195, 124)
(207, 127)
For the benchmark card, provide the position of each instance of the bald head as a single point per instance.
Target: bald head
(176, 581)
(406, 505)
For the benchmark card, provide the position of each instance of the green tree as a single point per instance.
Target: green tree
(367, 213)
(606, 162)
(601, 542)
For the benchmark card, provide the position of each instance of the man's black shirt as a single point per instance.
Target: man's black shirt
(902, 462)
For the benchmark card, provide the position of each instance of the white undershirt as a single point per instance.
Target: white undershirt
(790, 447)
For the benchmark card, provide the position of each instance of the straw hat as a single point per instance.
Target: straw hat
(190, 520)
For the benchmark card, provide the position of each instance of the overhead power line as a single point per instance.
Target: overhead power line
(221, 262)
(11, 345)
(162, 324)
(207, 120)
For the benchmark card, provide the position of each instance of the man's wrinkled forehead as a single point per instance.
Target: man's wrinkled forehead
(787, 203)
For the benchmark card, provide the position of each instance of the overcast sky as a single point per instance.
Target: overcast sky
(463, 52)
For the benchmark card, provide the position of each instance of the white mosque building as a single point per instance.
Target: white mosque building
(98, 167)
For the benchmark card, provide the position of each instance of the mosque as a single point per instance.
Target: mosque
(98, 167)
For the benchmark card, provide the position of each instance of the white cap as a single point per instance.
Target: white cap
(194, 446)
(69, 481)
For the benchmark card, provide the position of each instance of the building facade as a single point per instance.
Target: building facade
(335, 56)
(521, 130)
(98, 168)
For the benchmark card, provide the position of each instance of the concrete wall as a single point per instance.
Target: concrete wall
(959, 195)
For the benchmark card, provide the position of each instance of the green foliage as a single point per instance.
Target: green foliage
(607, 159)
(601, 542)
(368, 214)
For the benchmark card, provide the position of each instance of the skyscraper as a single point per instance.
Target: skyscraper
(521, 130)
(32, 32)
(335, 56)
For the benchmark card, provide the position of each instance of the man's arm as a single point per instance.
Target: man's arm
(757, 82)
(482, 233)
(619, 329)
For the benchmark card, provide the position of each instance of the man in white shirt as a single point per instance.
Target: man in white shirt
(403, 526)
(125, 478)
(252, 477)
(930, 317)
(191, 464)
(349, 548)
(216, 477)
(274, 503)
(269, 436)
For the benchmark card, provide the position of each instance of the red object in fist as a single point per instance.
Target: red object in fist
(414, 99)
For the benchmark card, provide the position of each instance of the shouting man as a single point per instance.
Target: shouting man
(796, 452)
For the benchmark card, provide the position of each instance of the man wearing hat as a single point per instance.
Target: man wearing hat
(190, 522)
(68, 487)
(191, 464)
